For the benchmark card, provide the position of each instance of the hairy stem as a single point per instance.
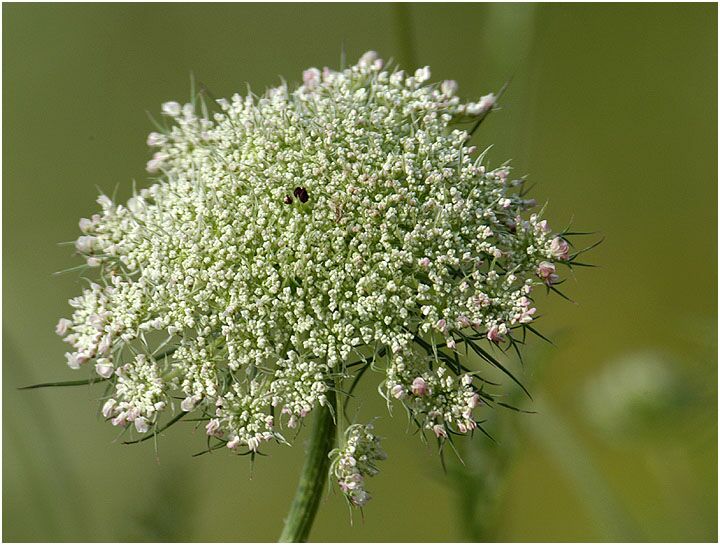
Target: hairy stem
(312, 479)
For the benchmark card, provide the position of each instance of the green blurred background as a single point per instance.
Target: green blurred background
(612, 110)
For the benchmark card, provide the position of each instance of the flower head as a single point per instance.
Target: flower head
(293, 239)
(356, 460)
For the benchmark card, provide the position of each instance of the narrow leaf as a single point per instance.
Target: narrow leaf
(172, 421)
(490, 359)
(543, 337)
(515, 408)
(82, 382)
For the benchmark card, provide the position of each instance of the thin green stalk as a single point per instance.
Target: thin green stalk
(404, 27)
(339, 414)
(312, 479)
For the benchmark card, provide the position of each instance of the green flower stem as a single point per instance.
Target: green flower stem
(312, 480)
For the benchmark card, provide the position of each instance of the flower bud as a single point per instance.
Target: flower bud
(120, 420)
(63, 326)
(156, 139)
(104, 368)
(85, 244)
(188, 404)
(311, 78)
(368, 58)
(253, 443)
(545, 269)
(108, 408)
(104, 201)
(422, 74)
(156, 164)
(559, 248)
(397, 391)
(104, 345)
(487, 102)
(213, 427)
(494, 335)
(188, 110)
(449, 87)
(75, 359)
(141, 424)
(153, 166)
(439, 430)
(85, 225)
(135, 204)
(419, 387)
(525, 317)
(171, 108)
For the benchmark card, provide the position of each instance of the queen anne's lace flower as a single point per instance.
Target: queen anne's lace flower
(291, 239)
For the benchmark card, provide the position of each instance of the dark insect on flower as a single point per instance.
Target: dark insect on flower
(288, 199)
(301, 193)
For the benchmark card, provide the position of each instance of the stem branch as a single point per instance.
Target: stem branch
(312, 479)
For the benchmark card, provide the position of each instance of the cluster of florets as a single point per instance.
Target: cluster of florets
(438, 400)
(299, 386)
(140, 392)
(293, 238)
(355, 460)
(242, 416)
